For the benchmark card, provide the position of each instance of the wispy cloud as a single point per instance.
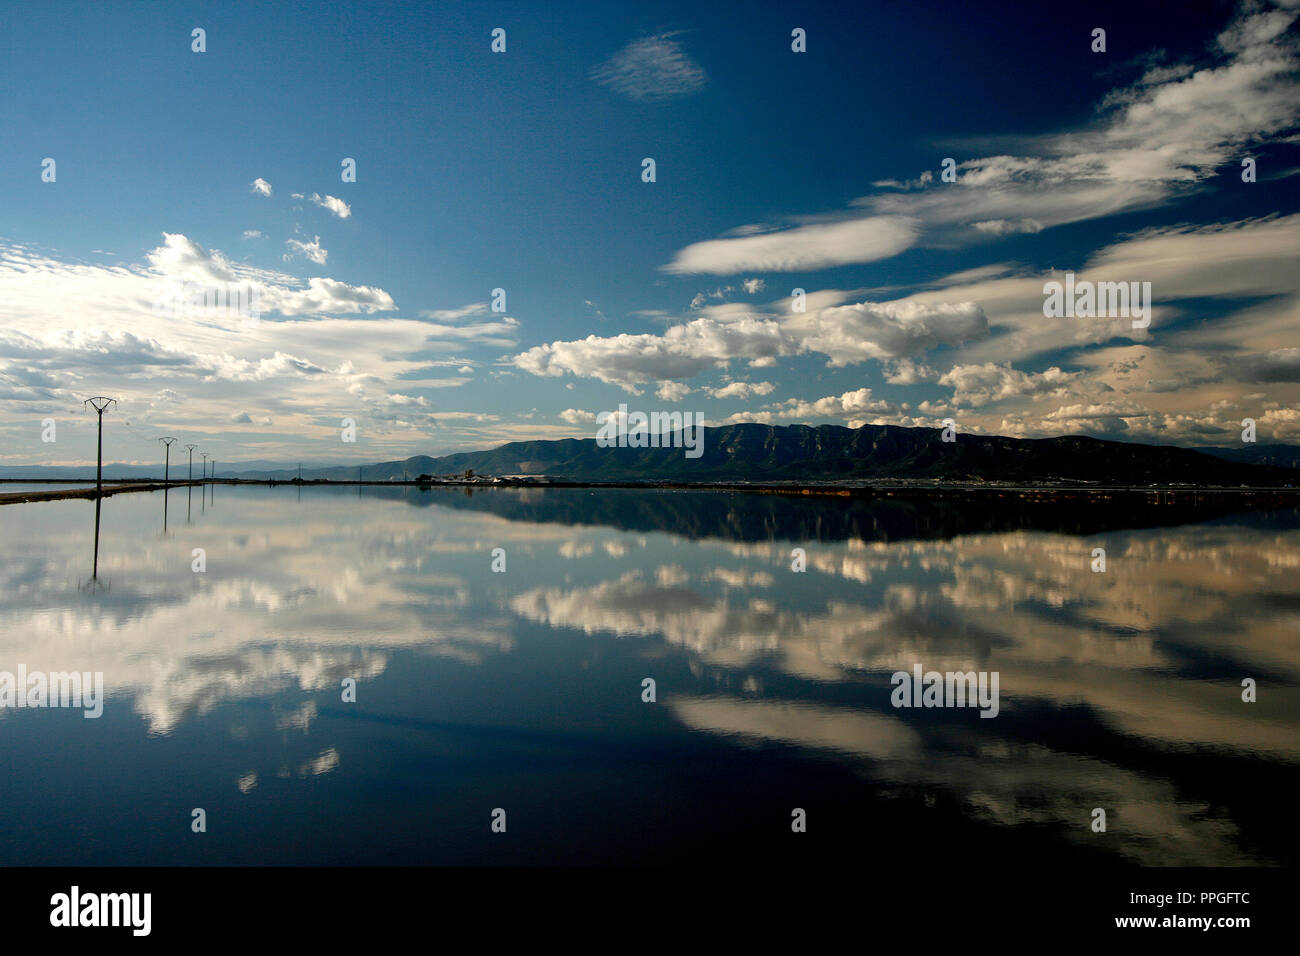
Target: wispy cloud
(819, 246)
(652, 68)
(312, 250)
(332, 203)
(1152, 142)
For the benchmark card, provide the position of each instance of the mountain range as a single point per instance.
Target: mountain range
(758, 452)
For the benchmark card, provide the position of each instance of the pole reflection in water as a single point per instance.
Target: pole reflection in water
(94, 576)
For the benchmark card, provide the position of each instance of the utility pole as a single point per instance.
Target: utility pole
(204, 456)
(99, 403)
(300, 471)
(189, 484)
(167, 466)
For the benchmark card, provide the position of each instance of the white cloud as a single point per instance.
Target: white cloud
(332, 203)
(454, 315)
(847, 405)
(680, 352)
(854, 333)
(1007, 227)
(981, 384)
(324, 295)
(320, 353)
(261, 187)
(845, 334)
(907, 372)
(740, 418)
(672, 391)
(652, 68)
(818, 246)
(312, 250)
(1153, 142)
(741, 390)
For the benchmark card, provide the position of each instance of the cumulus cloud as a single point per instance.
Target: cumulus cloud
(261, 187)
(889, 330)
(681, 352)
(740, 418)
(672, 391)
(849, 405)
(845, 334)
(742, 390)
(321, 352)
(981, 384)
(908, 372)
(324, 295)
(180, 257)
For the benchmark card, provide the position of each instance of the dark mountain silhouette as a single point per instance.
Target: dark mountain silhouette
(755, 452)
(1279, 456)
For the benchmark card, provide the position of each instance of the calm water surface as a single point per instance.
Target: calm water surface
(523, 690)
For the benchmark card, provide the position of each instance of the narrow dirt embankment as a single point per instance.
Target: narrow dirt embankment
(16, 497)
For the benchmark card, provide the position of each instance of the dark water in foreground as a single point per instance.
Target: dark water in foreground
(523, 690)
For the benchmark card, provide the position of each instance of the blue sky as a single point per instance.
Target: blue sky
(522, 170)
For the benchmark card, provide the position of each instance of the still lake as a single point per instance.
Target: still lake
(523, 690)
